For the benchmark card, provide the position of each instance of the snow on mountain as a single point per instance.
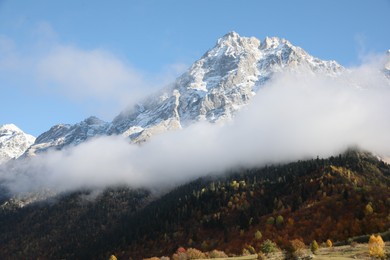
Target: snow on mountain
(13, 142)
(64, 134)
(213, 89)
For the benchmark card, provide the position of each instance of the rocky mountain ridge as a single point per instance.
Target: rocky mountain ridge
(213, 89)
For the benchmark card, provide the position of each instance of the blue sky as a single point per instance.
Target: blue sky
(62, 61)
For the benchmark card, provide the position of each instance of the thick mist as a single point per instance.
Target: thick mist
(295, 116)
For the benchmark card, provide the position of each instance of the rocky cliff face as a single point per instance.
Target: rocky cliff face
(64, 134)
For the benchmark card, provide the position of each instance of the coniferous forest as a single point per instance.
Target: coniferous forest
(340, 198)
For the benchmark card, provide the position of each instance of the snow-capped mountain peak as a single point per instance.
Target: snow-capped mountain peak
(9, 128)
(273, 43)
(213, 89)
(13, 142)
(232, 44)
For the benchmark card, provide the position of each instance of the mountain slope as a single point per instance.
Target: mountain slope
(64, 134)
(317, 199)
(213, 89)
(13, 142)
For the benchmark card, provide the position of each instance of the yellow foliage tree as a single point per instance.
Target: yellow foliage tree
(368, 210)
(329, 243)
(258, 235)
(112, 257)
(314, 246)
(376, 246)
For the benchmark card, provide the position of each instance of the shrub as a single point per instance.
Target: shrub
(329, 243)
(251, 249)
(248, 250)
(314, 246)
(297, 247)
(258, 235)
(245, 252)
(181, 250)
(179, 256)
(193, 253)
(113, 257)
(217, 254)
(268, 247)
(376, 246)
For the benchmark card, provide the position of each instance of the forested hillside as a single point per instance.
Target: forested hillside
(335, 198)
(319, 199)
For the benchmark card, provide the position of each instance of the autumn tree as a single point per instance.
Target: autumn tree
(269, 246)
(376, 246)
(297, 248)
(258, 235)
(368, 210)
(314, 246)
(279, 220)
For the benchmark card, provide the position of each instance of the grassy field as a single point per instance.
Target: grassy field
(359, 251)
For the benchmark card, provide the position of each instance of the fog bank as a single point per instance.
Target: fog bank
(294, 116)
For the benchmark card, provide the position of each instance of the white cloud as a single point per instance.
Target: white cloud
(93, 79)
(293, 117)
(94, 74)
(99, 78)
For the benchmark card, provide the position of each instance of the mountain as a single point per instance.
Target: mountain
(64, 134)
(337, 198)
(13, 142)
(213, 89)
